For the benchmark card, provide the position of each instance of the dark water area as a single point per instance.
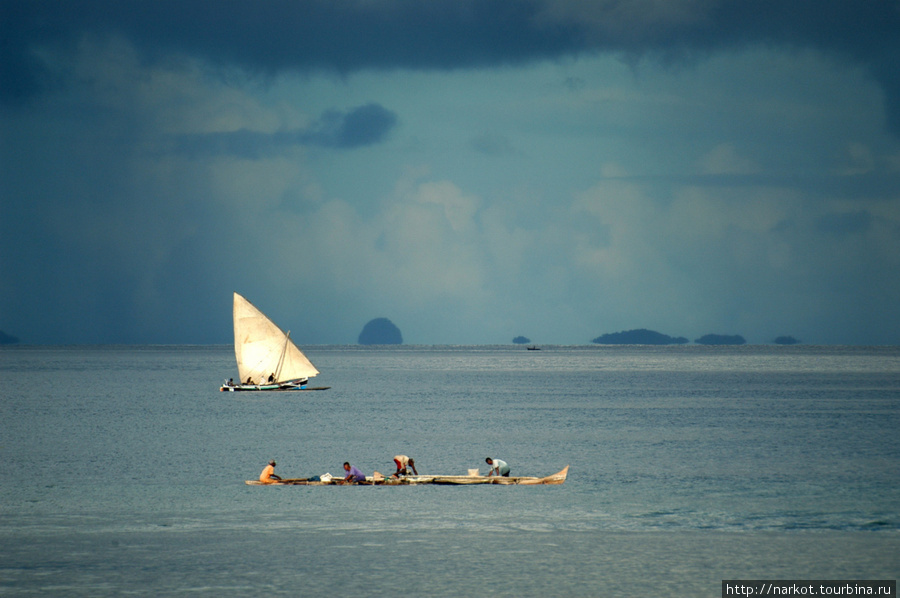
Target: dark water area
(123, 471)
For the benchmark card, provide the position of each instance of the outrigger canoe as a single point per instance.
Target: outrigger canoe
(449, 480)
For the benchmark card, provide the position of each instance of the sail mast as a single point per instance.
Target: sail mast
(284, 348)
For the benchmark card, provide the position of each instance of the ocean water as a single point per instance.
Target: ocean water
(122, 471)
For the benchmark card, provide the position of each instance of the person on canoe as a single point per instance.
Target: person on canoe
(268, 474)
(498, 467)
(353, 474)
(403, 462)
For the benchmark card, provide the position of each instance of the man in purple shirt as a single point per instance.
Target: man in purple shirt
(353, 474)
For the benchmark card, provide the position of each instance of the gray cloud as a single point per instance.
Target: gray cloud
(843, 224)
(361, 126)
(493, 144)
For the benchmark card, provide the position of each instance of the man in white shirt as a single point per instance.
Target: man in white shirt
(498, 467)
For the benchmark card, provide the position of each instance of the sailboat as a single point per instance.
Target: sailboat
(267, 358)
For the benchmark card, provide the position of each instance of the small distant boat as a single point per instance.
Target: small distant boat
(446, 480)
(534, 348)
(267, 358)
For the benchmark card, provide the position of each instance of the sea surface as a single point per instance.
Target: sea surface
(122, 471)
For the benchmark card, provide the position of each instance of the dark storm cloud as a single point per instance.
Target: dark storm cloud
(284, 34)
(362, 126)
(365, 125)
(275, 35)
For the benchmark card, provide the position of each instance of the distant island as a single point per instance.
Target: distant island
(721, 339)
(641, 336)
(7, 339)
(521, 340)
(380, 331)
(786, 340)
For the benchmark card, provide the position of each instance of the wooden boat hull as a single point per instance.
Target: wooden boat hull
(415, 480)
(275, 387)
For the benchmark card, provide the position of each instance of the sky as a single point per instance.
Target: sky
(473, 170)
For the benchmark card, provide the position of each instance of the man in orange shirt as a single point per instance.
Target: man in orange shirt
(268, 474)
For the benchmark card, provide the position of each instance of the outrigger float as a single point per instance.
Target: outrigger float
(411, 480)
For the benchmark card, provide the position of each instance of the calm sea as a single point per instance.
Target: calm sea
(122, 471)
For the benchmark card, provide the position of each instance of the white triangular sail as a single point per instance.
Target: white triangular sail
(263, 349)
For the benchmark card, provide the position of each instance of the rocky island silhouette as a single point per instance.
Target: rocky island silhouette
(641, 336)
(380, 331)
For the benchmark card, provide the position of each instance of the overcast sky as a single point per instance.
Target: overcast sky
(472, 170)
